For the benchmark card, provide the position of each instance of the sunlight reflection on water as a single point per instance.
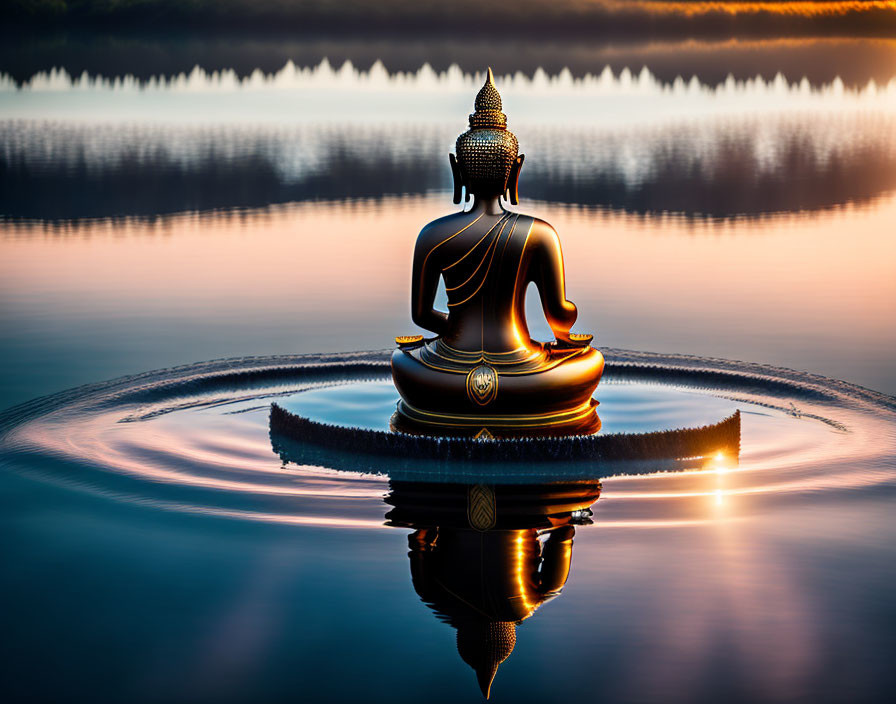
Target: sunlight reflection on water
(198, 441)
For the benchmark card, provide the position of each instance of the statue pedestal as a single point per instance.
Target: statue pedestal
(358, 420)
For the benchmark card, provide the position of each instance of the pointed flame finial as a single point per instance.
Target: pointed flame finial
(488, 113)
(483, 647)
(488, 97)
(484, 679)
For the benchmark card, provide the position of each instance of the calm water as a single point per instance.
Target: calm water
(150, 218)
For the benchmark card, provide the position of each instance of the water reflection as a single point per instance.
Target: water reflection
(90, 147)
(61, 172)
(484, 558)
(671, 596)
(84, 302)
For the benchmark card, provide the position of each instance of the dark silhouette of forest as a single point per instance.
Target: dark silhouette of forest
(731, 184)
(531, 17)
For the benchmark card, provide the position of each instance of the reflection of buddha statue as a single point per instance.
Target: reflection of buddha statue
(484, 558)
(483, 370)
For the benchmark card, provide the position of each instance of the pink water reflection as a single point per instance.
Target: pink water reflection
(809, 292)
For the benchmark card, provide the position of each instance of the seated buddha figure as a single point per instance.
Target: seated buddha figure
(482, 371)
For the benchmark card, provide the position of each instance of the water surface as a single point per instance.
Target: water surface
(185, 528)
(161, 545)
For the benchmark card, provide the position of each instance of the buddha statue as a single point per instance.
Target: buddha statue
(485, 558)
(482, 372)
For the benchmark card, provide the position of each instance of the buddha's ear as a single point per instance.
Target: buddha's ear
(512, 192)
(458, 177)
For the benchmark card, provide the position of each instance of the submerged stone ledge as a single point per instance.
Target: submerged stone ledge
(665, 444)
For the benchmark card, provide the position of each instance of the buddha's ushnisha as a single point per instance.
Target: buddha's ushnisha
(482, 370)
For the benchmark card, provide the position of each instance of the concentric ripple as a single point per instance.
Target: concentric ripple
(196, 439)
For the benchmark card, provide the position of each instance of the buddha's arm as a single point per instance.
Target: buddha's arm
(421, 543)
(424, 285)
(556, 555)
(548, 275)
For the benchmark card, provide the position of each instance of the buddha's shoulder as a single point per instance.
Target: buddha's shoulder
(452, 223)
(446, 225)
(538, 229)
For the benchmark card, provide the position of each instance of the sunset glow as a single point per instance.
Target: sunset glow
(806, 8)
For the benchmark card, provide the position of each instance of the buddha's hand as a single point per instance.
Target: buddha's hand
(573, 340)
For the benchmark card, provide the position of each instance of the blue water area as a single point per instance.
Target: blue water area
(624, 407)
(159, 548)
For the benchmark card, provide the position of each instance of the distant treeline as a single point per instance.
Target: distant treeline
(427, 17)
(109, 53)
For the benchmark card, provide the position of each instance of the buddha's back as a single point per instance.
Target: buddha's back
(480, 259)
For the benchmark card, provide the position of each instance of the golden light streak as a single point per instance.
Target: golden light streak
(815, 483)
(721, 469)
(520, 581)
(797, 9)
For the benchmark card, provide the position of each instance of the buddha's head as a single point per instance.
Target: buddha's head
(488, 161)
(484, 645)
